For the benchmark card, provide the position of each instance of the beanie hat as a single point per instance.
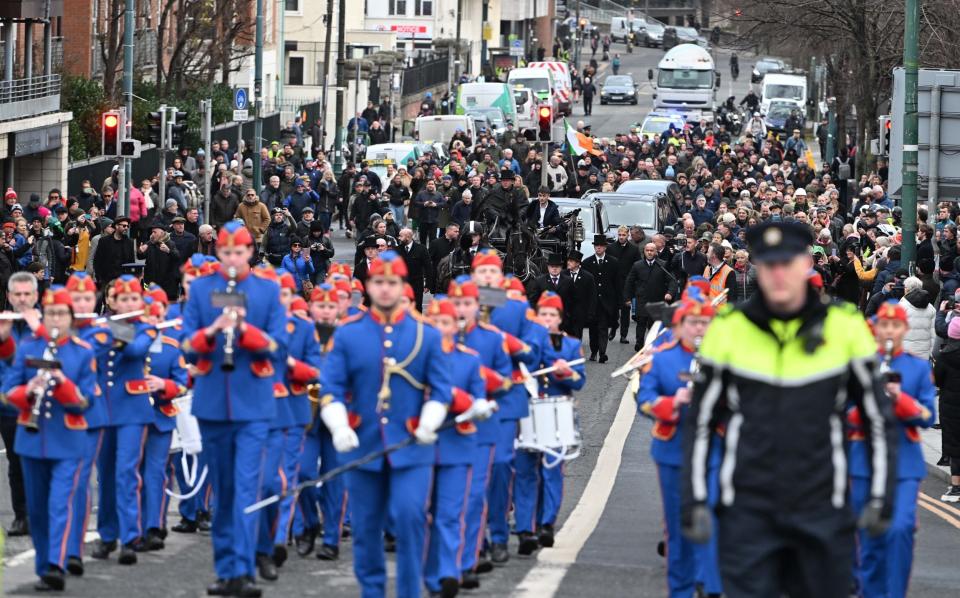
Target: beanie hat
(953, 329)
(10, 194)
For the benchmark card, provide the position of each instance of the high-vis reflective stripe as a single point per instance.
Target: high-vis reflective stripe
(701, 443)
(878, 440)
(729, 465)
(718, 281)
(839, 459)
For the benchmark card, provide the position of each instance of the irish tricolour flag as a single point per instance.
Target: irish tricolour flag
(579, 143)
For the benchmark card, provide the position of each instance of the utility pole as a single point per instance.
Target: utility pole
(341, 84)
(457, 63)
(484, 15)
(257, 102)
(162, 153)
(123, 202)
(206, 125)
(321, 143)
(911, 44)
(282, 51)
(576, 40)
(831, 129)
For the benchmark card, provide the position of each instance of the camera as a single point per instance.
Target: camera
(951, 304)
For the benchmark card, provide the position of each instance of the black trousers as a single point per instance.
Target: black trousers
(644, 322)
(624, 321)
(587, 105)
(428, 232)
(786, 552)
(599, 330)
(8, 429)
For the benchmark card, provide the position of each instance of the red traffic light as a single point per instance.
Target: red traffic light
(110, 121)
(889, 124)
(545, 112)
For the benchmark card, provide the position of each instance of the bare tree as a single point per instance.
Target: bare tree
(110, 46)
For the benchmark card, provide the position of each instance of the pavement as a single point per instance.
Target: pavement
(611, 517)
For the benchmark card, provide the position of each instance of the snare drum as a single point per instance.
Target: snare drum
(551, 428)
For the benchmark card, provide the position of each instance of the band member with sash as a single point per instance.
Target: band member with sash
(369, 403)
(884, 562)
(194, 511)
(539, 489)
(166, 376)
(328, 303)
(49, 383)
(524, 337)
(455, 449)
(235, 342)
(126, 397)
(490, 345)
(663, 397)
(83, 295)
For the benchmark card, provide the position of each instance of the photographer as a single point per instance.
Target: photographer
(892, 289)
(320, 250)
(688, 262)
(299, 263)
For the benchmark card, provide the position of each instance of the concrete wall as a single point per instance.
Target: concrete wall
(37, 173)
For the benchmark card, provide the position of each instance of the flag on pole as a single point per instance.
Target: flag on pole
(579, 143)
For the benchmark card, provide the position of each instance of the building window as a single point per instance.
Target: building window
(397, 8)
(424, 8)
(295, 71)
(292, 5)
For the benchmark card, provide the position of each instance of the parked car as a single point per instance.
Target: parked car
(652, 33)
(619, 88)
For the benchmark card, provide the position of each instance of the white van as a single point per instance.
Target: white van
(786, 88)
(538, 80)
(441, 128)
(563, 85)
(621, 26)
(526, 103)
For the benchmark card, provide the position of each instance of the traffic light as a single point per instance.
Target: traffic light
(177, 128)
(111, 133)
(886, 124)
(545, 121)
(156, 123)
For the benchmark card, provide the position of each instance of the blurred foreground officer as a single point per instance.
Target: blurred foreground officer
(885, 561)
(664, 397)
(234, 349)
(778, 371)
(51, 438)
(539, 489)
(368, 404)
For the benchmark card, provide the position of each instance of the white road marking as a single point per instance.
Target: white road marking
(544, 579)
(27, 556)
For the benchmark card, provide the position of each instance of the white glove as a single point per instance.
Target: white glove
(432, 415)
(481, 410)
(334, 416)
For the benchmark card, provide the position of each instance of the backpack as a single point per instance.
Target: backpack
(843, 170)
(192, 194)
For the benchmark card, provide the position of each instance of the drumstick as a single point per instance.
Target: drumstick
(553, 368)
(638, 359)
(169, 324)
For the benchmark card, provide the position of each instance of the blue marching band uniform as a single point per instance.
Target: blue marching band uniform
(281, 398)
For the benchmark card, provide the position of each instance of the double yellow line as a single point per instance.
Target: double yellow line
(945, 511)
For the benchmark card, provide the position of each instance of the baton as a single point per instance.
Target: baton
(378, 454)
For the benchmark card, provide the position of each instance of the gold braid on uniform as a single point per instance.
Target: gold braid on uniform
(391, 367)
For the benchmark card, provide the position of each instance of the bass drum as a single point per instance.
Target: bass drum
(552, 428)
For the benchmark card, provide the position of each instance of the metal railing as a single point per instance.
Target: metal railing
(425, 75)
(22, 98)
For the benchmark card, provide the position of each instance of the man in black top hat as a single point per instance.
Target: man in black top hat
(581, 309)
(604, 268)
(369, 254)
(504, 204)
(555, 279)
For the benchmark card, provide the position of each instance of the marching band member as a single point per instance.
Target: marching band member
(166, 376)
(884, 562)
(194, 511)
(285, 445)
(326, 307)
(490, 344)
(51, 438)
(663, 397)
(83, 295)
(368, 404)
(126, 397)
(524, 339)
(455, 448)
(233, 415)
(539, 489)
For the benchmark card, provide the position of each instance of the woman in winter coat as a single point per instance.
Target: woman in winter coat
(920, 316)
(946, 374)
(746, 277)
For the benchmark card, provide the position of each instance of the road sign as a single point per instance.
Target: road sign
(516, 47)
(241, 115)
(240, 99)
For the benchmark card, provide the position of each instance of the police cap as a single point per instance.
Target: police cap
(778, 241)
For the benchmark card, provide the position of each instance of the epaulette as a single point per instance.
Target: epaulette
(303, 318)
(531, 315)
(465, 349)
(489, 326)
(667, 345)
(171, 341)
(81, 342)
(351, 318)
(416, 315)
